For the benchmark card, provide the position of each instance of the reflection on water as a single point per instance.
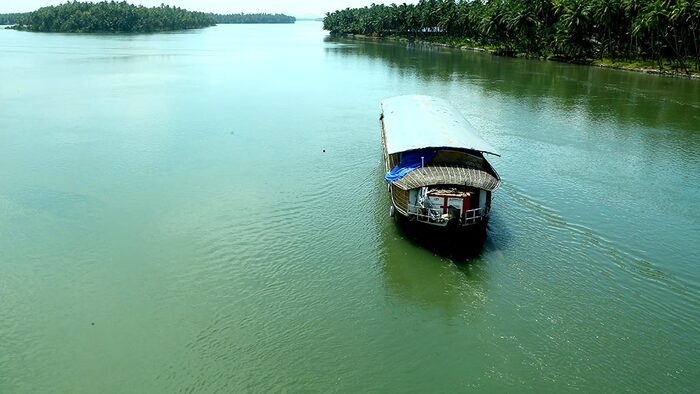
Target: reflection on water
(600, 94)
(419, 268)
(458, 245)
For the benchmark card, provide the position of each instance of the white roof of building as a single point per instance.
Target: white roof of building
(418, 122)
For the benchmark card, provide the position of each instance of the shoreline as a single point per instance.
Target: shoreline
(21, 29)
(593, 63)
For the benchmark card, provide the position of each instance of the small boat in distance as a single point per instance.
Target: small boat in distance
(435, 163)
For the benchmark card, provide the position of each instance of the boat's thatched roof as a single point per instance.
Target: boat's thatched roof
(449, 175)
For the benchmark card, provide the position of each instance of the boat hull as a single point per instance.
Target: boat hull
(458, 243)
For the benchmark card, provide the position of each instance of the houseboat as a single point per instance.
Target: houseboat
(436, 169)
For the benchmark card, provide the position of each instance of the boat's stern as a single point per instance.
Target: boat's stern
(445, 205)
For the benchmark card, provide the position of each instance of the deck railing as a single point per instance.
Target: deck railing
(436, 215)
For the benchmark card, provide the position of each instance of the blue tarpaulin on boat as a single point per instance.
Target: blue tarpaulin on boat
(410, 161)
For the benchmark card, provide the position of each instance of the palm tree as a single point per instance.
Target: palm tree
(573, 28)
(650, 22)
(606, 14)
(520, 20)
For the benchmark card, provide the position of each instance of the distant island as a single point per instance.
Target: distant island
(110, 17)
(252, 18)
(122, 17)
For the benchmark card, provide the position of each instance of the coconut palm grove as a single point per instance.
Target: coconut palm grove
(660, 32)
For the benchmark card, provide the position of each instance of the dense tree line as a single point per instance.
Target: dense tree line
(574, 29)
(110, 17)
(122, 17)
(10, 19)
(252, 18)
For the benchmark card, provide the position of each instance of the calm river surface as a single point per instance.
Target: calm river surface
(169, 221)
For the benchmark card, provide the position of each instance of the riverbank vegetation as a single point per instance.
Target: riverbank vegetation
(664, 33)
(252, 18)
(10, 19)
(110, 17)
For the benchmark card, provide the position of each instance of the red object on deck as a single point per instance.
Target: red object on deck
(465, 206)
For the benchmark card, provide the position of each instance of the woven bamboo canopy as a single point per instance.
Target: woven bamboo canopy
(448, 175)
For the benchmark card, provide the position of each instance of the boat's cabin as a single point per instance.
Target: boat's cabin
(453, 186)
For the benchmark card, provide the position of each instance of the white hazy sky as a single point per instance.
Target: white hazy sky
(299, 8)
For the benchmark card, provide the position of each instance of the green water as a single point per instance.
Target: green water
(170, 222)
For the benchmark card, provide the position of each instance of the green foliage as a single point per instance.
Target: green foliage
(660, 30)
(252, 18)
(122, 17)
(111, 17)
(9, 19)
